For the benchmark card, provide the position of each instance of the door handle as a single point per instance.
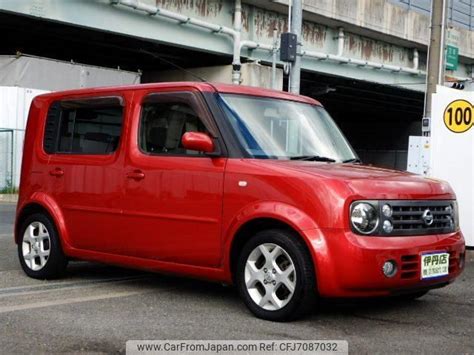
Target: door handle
(58, 172)
(136, 175)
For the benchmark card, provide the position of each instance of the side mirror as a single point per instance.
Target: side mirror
(198, 141)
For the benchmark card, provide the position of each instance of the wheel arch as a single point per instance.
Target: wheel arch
(41, 203)
(26, 211)
(251, 227)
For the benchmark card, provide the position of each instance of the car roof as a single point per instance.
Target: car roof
(201, 86)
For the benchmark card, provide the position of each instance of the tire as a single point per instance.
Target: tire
(412, 296)
(253, 269)
(39, 248)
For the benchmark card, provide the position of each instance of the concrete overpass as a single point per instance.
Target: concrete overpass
(364, 59)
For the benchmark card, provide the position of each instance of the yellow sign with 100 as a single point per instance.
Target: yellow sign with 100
(458, 116)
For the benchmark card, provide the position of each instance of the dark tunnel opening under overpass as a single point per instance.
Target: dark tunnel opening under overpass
(376, 119)
(65, 42)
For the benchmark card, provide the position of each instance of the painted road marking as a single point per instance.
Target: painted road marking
(70, 287)
(43, 304)
(64, 285)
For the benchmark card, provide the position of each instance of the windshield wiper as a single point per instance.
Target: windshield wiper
(313, 158)
(352, 160)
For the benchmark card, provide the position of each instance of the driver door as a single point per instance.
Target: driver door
(173, 196)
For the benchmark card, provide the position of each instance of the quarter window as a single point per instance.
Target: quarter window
(84, 127)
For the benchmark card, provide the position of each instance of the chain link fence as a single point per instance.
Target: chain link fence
(6, 160)
(11, 144)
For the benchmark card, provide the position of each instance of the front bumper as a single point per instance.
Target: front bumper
(350, 265)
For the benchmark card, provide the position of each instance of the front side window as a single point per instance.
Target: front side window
(84, 127)
(163, 124)
(280, 129)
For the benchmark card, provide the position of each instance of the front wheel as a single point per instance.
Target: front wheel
(275, 276)
(39, 248)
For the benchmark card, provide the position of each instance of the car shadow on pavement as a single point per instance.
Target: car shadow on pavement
(367, 307)
(154, 281)
(228, 296)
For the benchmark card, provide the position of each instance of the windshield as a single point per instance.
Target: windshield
(280, 129)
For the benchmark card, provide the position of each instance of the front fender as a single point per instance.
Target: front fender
(285, 213)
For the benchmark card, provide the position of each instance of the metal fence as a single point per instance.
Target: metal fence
(11, 150)
(7, 146)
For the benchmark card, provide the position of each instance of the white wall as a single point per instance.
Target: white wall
(14, 107)
(452, 156)
(54, 75)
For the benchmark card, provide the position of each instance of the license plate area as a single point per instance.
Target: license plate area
(434, 264)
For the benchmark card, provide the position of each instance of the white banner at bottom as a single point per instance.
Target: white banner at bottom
(238, 347)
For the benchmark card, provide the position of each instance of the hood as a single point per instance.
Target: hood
(370, 182)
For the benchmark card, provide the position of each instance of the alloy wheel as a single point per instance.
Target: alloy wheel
(270, 276)
(36, 246)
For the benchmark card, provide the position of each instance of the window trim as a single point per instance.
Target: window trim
(198, 105)
(92, 101)
(83, 102)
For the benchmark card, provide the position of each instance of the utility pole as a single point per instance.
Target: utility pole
(296, 25)
(436, 65)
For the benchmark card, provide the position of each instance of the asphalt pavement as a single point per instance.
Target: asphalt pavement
(97, 308)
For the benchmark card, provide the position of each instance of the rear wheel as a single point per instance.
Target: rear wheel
(275, 276)
(39, 248)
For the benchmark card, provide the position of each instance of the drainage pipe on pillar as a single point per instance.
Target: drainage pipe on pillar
(274, 57)
(234, 33)
(236, 64)
(296, 26)
(340, 42)
(416, 59)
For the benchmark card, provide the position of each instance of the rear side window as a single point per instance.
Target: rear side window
(90, 126)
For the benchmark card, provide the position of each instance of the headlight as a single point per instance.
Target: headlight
(387, 210)
(364, 217)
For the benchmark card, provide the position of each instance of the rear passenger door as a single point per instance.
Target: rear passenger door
(173, 196)
(83, 139)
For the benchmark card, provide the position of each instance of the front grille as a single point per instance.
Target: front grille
(422, 217)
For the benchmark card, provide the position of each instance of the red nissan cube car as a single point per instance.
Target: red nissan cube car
(234, 184)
